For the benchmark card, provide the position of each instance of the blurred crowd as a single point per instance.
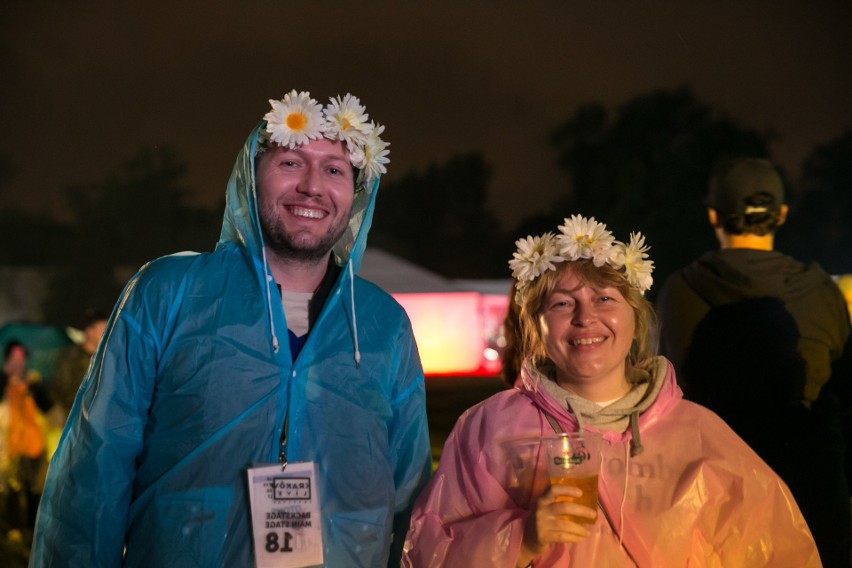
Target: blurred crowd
(33, 410)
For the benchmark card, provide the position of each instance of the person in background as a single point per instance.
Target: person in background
(22, 440)
(677, 487)
(745, 206)
(268, 350)
(73, 361)
(749, 348)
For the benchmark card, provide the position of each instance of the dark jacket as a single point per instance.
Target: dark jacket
(727, 276)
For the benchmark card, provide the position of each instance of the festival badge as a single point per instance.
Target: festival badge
(287, 528)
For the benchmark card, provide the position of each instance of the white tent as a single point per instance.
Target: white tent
(457, 323)
(397, 276)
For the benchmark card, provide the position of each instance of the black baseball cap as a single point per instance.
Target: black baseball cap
(735, 181)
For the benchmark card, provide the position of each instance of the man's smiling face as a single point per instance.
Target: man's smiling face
(305, 198)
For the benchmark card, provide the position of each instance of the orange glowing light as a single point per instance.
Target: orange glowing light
(456, 332)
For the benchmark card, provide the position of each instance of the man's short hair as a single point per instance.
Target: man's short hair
(747, 194)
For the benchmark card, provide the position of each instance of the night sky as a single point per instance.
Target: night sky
(84, 85)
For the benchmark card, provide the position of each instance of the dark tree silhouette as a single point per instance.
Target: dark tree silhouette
(142, 208)
(133, 216)
(646, 167)
(28, 239)
(439, 219)
(820, 222)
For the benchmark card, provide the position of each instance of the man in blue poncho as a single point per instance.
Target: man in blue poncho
(194, 383)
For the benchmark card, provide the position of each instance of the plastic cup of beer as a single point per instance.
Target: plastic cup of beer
(574, 459)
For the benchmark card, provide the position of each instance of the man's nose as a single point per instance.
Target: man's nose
(311, 182)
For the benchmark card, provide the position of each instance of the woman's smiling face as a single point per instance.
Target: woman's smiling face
(588, 333)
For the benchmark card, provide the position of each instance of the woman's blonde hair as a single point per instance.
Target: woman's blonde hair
(532, 302)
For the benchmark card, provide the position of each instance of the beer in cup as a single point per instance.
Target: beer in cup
(574, 458)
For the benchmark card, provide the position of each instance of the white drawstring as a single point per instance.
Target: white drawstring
(268, 278)
(354, 319)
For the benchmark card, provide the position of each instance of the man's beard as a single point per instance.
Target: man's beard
(287, 246)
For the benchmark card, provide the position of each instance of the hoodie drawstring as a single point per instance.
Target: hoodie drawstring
(631, 450)
(636, 446)
(269, 301)
(354, 319)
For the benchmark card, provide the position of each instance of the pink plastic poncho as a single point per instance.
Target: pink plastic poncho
(696, 496)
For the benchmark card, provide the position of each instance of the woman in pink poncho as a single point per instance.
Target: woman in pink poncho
(677, 486)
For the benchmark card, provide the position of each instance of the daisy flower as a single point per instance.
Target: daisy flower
(535, 255)
(295, 120)
(347, 120)
(375, 153)
(637, 267)
(581, 237)
(585, 238)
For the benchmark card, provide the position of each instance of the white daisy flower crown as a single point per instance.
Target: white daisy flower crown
(297, 119)
(581, 237)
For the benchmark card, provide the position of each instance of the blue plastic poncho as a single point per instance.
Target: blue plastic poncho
(187, 390)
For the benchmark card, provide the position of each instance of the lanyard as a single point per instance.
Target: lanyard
(282, 449)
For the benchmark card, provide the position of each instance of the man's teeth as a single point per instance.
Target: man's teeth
(586, 341)
(310, 213)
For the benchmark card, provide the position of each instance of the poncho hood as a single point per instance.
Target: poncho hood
(241, 224)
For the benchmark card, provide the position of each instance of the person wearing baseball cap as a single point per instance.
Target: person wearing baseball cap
(746, 203)
(745, 206)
